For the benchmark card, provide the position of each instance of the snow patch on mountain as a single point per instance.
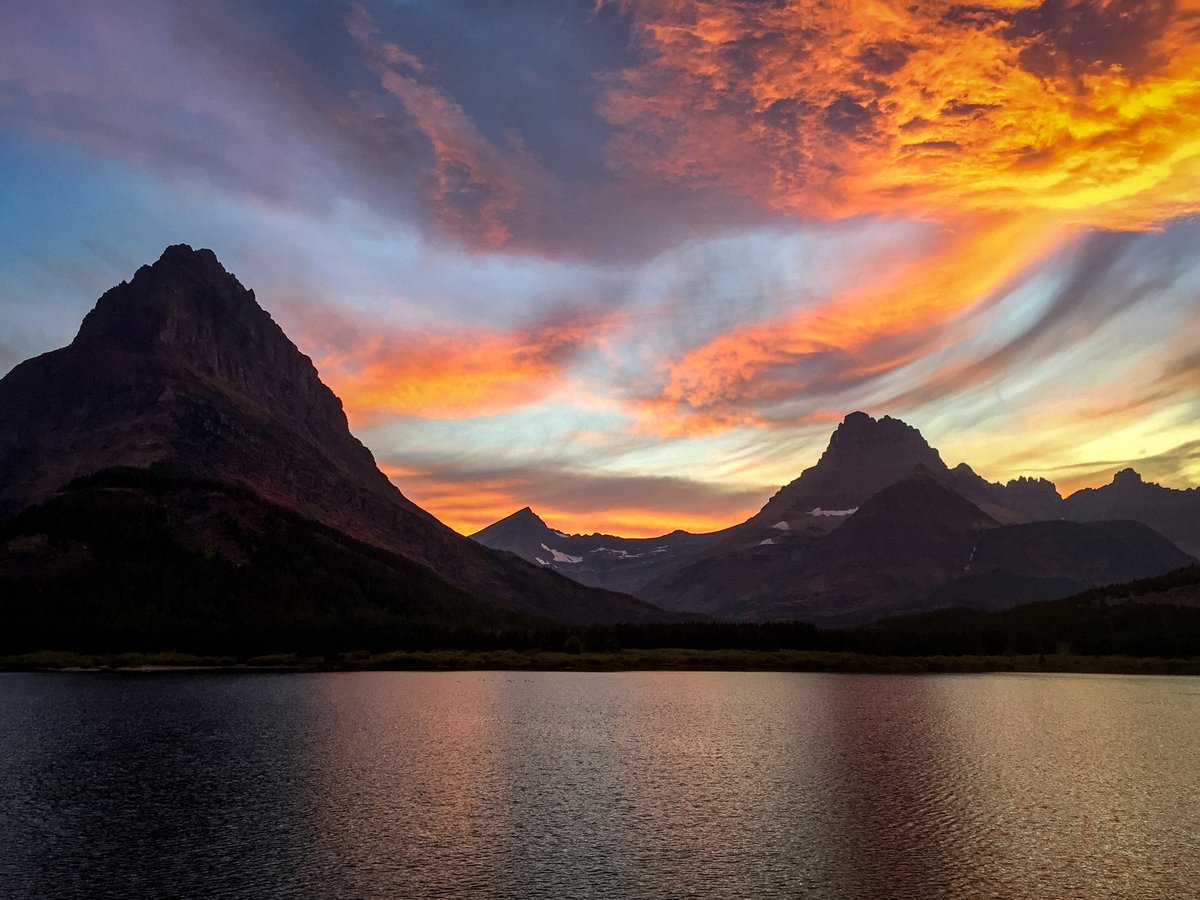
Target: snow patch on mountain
(782, 526)
(833, 512)
(559, 556)
(616, 553)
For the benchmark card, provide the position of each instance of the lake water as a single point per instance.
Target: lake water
(630, 785)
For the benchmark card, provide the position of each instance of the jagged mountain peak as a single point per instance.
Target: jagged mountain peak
(862, 441)
(864, 456)
(164, 303)
(524, 521)
(1127, 478)
(187, 313)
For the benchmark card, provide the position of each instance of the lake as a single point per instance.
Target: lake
(616, 785)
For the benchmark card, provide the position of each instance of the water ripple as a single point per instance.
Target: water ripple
(634, 785)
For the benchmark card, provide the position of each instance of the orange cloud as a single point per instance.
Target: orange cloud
(450, 376)
(866, 330)
(838, 109)
(1014, 126)
(473, 187)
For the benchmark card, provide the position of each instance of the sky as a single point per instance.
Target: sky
(629, 263)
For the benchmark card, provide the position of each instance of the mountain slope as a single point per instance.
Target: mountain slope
(1020, 500)
(130, 558)
(181, 365)
(864, 456)
(898, 546)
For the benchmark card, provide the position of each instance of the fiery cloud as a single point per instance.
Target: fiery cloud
(879, 326)
(726, 222)
(1013, 126)
(448, 375)
(1087, 109)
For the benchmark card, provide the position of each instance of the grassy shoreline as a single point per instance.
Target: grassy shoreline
(617, 661)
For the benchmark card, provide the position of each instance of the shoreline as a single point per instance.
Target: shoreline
(667, 659)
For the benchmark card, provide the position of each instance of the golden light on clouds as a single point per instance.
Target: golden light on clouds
(452, 376)
(1011, 128)
(706, 389)
(647, 253)
(1088, 110)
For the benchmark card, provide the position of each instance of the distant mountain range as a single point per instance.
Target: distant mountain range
(880, 526)
(181, 368)
(600, 560)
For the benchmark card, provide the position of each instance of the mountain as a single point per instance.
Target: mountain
(599, 560)
(864, 456)
(914, 546)
(1174, 513)
(181, 366)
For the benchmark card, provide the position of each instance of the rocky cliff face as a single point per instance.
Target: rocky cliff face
(864, 456)
(181, 365)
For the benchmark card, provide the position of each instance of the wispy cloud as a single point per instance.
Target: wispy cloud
(1014, 127)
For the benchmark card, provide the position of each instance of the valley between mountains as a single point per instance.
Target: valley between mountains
(179, 476)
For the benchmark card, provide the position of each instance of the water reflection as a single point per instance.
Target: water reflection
(664, 785)
(895, 776)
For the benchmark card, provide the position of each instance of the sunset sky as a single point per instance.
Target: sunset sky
(629, 263)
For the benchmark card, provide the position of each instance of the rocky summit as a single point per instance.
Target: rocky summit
(864, 456)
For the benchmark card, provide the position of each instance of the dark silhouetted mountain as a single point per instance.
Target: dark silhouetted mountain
(599, 560)
(864, 456)
(901, 544)
(916, 545)
(182, 366)
(1173, 513)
